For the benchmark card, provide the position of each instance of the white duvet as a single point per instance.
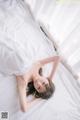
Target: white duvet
(20, 46)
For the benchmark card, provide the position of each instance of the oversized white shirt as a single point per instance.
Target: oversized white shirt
(21, 40)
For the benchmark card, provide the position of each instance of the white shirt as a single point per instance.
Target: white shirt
(13, 59)
(21, 41)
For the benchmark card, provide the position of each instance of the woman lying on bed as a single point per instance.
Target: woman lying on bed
(33, 82)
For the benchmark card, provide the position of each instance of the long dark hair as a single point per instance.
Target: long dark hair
(44, 95)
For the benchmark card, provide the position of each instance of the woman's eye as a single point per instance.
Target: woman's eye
(38, 88)
(43, 83)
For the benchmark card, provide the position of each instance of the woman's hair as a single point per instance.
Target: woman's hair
(44, 95)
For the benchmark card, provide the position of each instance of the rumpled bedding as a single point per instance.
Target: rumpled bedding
(64, 104)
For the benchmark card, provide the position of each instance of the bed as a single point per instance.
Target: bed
(64, 104)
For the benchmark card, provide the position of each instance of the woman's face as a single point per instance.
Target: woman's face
(40, 84)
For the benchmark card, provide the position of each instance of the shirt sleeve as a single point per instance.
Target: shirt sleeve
(13, 62)
(14, 58)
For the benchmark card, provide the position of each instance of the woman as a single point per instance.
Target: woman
(18, 41)
(38, 85)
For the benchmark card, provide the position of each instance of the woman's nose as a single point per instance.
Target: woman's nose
(39, 84)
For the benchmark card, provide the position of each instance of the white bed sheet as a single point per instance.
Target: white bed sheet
(64, 105)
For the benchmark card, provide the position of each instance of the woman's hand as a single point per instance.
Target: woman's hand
(37, 65)
(35, 68)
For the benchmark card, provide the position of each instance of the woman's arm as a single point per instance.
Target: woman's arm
(21, 85)
(48, 60)
(38, 64)
(55, 60)
(55, 65)
(24, 103)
